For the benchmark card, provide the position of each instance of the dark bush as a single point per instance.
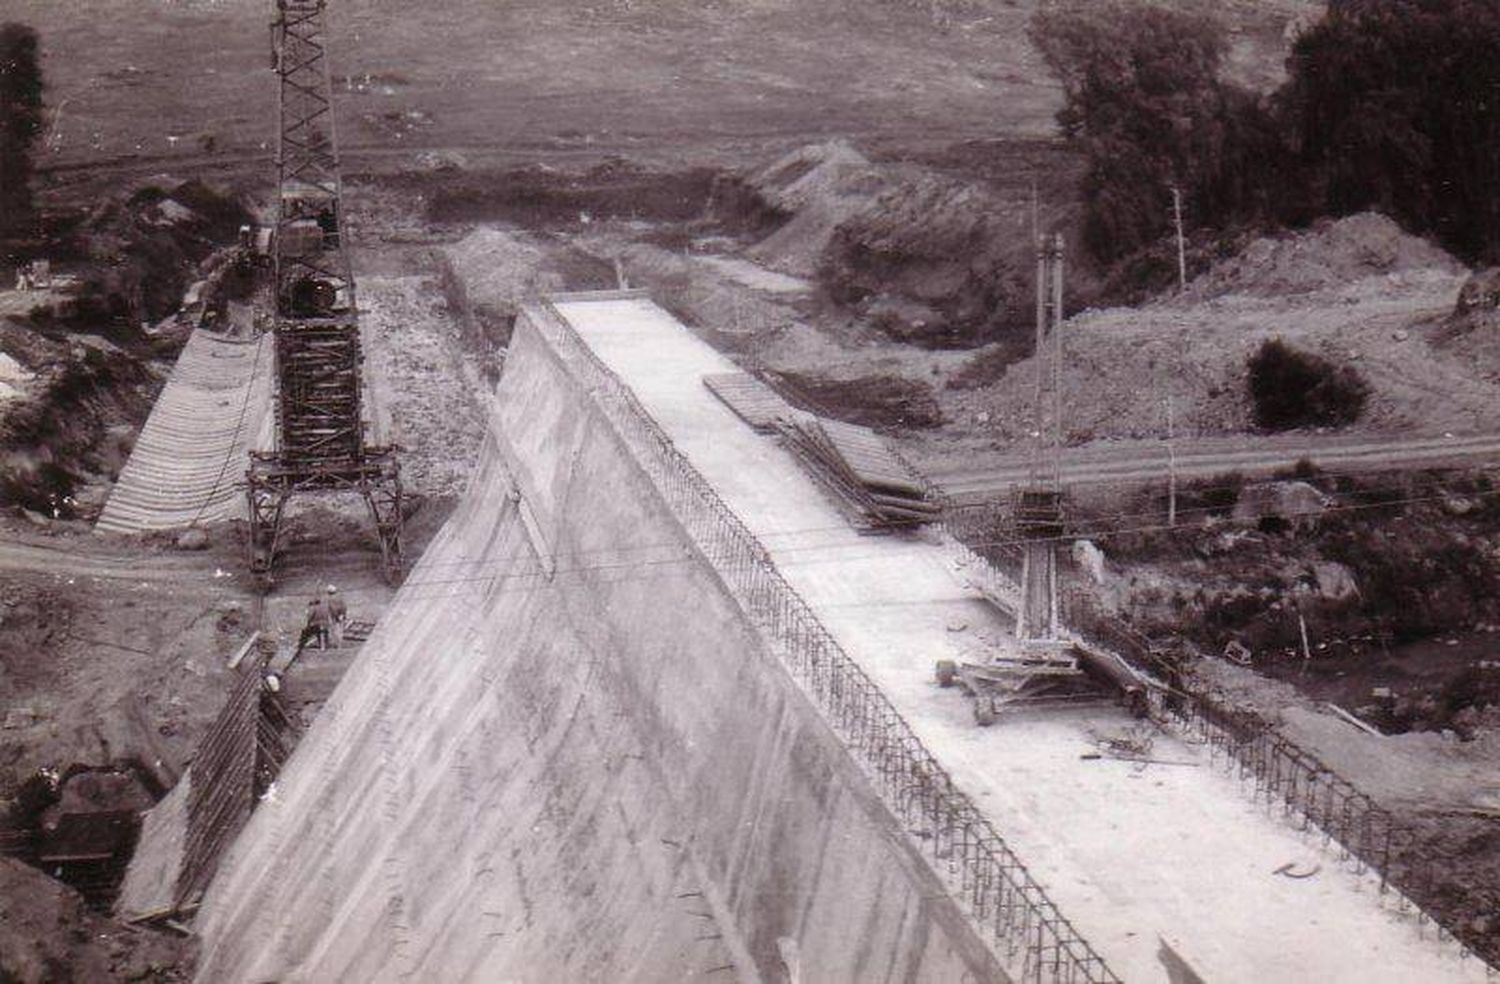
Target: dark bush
(1297, 389)
(1215, 496)
(1145, 103)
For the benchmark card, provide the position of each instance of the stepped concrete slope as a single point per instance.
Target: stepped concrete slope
(565, 754)
(188, 464)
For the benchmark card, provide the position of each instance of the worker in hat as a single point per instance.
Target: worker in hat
(315, 629)
(338, 614)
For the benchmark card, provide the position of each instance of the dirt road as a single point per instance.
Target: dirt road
(77, 557)
(973, 478)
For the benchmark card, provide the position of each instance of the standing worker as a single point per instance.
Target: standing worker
(316, 627)
(338, 614)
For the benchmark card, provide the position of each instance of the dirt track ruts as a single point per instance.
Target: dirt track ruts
(78, 558)
(1207, 457)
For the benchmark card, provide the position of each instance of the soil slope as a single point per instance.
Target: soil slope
(1357, 291)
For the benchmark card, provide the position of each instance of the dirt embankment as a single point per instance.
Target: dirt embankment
(112, 673)
(1357, 292)
(77, 371)
(67, 431)
(927, 257)
(47, 936)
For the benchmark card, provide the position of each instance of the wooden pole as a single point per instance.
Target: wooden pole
(1181, 242)
(1039, 355)
(1057, 356)
(1171, 465)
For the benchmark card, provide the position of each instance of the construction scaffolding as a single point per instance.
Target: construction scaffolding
(321, 435)
(1045, 666)
(1039, 505)
(234, 768)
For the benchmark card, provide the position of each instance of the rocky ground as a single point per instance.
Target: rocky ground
(47, 935)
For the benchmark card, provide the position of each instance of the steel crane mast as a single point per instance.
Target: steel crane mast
(321, 436)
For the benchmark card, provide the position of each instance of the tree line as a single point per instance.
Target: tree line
(20, 126)
(1391, 105)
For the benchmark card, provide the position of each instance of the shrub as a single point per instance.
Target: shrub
(1215, 496)
(1297, 389)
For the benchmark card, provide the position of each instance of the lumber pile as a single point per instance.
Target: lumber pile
(751, 399)
(865, 476)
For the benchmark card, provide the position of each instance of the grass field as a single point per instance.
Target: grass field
(652, 79)
(154, 77)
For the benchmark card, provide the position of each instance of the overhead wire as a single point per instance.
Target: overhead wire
(490, 570)
(1097, 523)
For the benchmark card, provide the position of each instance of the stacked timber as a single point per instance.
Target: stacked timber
(863, 473)
(751, 399)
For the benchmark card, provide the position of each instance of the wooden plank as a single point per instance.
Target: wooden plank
(750, 398)
(239, 654)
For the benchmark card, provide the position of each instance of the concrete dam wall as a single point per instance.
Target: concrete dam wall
(566, 754)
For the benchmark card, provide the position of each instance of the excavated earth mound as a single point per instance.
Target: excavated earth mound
(1331, 255)
(500, 267)
(927, 258)
(1357, 292)
(47, 934)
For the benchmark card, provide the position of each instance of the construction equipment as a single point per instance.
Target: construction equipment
(321, 441)
(1045, 666)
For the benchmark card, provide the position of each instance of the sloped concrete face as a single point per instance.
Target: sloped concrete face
(188, 464)
(577, 766)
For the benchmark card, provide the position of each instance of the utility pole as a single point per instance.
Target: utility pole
(1057, 357)
(1181, 243)
(1306, 649)
(1039, 353)
(1039, 521)
(1036, 214)
(1171, 465)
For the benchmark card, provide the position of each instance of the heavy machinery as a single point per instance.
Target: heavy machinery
(321, 435)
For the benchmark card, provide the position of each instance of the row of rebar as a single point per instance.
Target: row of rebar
(1358, 831)
(983, 872)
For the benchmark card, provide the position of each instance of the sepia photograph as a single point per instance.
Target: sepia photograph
(765, 491)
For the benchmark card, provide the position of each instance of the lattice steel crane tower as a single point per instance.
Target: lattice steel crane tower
(321, 435)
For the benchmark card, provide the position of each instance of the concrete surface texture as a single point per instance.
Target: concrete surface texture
(150, 883)
(564, 754)
(1130, 853)
(188, 464)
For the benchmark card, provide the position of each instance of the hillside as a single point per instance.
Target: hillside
(1357, 291)
(657, 78)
